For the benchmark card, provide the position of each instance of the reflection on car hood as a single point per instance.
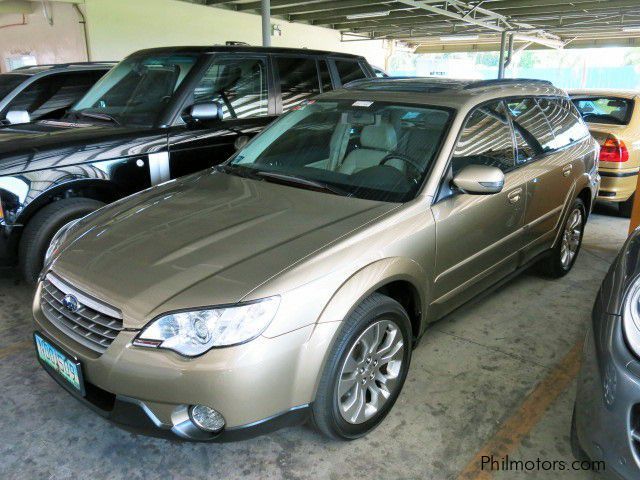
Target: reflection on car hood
(47, 144)
(205, 240)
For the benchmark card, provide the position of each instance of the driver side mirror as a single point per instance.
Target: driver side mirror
(479, 179)
(15, 117)
(205, 112)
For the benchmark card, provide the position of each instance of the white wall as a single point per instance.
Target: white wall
(119, 27)
(61, 42)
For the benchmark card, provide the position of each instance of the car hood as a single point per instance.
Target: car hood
(38, 145)
(208, 239)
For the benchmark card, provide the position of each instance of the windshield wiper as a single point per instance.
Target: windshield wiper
(244, 172)
(99, 116)
(313, 184)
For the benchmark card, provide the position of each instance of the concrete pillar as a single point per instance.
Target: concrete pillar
(266, 23)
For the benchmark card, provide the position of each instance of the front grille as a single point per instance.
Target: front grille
(89, 321)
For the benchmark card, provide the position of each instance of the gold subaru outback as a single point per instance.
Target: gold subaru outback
(292, 281)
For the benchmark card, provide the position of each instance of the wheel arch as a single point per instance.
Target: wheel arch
(97, 189)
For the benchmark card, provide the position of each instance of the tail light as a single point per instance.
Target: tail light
(613, 150)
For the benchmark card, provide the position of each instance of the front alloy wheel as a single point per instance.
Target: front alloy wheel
(365, 369)
(370, 372)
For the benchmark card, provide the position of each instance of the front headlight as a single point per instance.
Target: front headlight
(631, 316)
(58, 241)
(195, 332)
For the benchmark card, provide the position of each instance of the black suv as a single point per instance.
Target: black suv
(159, 114)
(46, 91)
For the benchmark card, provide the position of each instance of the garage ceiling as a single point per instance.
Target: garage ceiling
(453, 25)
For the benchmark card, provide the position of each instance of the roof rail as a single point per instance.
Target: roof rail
(505, 81)
(66, 65)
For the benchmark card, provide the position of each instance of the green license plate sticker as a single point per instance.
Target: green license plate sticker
(61, 363)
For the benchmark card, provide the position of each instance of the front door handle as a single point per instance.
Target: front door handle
(566, 171)
(514, 195)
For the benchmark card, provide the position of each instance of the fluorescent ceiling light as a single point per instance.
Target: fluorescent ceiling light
(457, 38)
(356, 16)
(631, 29)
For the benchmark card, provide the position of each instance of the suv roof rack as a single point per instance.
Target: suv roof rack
(435, 84)
(504, 81)
(65, 65)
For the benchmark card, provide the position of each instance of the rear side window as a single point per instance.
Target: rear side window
(485, 140)
(55, 93)
(609, 110)
(532, 130)
(566, 126)
(349, 71)
(298, 80)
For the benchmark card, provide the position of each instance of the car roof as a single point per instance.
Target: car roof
(243, 49)
(60, 67)
(605, 92)
(443, 92)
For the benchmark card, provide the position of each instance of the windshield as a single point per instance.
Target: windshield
(610, 110)
(135, 91)
(9, 81)
(362, 149)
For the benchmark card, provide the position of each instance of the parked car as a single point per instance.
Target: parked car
(606, 418)
(46, 91)
(613, 117)
(158, 115)
(295, 279)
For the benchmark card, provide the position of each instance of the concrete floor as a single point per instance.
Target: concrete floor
(468, 375)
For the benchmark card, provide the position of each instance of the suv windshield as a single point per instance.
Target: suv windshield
(137, 90)
(610, 110)
(369, 150)
(9, 81)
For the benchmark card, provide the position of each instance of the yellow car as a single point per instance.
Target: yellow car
(613, 117)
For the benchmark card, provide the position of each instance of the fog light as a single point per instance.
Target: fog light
(206, 418)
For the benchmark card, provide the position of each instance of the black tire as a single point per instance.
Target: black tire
(325, 413)
(552, 265)
(43, 226)
(624, 208)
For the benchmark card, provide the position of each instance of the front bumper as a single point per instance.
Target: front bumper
(258, 386)
(617, 185)
(608, 398)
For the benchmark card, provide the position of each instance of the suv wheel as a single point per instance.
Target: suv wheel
(43, 226)
(365, 369)
(564, 255)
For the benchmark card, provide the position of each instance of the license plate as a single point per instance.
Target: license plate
(59, 363)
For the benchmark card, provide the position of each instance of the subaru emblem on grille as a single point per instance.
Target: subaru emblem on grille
(70, 303)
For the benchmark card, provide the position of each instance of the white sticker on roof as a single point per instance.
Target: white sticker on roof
(362, 103)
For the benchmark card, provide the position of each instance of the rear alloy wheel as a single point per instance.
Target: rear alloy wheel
(365, 369)
(564, 254)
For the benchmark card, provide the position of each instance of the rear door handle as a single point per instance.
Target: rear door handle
(566, 171)
(514, 195)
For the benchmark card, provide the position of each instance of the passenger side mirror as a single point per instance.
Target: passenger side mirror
(479, 179)
(15, 117)
(206, 112)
